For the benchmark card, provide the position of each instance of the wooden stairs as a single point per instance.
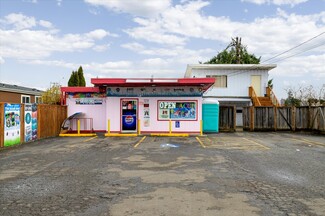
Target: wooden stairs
(269, 100)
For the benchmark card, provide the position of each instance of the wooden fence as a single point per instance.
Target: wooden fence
(49, 120)
(227, 118)
(284, 118)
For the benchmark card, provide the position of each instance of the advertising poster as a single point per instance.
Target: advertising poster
(12, 124)
(34, 121)
(146, 113)
(177, 110)
(28, 122)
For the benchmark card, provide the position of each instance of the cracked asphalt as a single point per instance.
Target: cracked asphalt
(233, 174)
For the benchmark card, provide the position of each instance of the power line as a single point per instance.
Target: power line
(294, 47)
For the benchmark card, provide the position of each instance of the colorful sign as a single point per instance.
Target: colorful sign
(177, 110)
(154, 91)
(34, 121)
(12, 124)
(129, 115)
(89, 101)
(28, 123)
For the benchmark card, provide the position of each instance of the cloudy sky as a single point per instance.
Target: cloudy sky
(42, 41)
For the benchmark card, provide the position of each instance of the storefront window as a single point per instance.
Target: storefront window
(173, 110)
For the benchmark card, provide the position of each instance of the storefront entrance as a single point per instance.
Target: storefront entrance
(129, 115)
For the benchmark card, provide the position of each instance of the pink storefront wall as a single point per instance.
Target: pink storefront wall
(189, 126)
(96, 112)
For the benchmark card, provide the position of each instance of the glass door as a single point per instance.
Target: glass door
(129, 115)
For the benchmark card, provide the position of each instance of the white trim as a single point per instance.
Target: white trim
(25, 96)
(40, 97)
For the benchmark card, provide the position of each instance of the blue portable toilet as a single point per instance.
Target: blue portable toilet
(210, 115)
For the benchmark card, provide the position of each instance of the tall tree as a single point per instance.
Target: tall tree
(82, 81)
(52, 95)
(235, 53)
(77, 78)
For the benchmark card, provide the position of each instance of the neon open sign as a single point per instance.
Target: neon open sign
(167, 105)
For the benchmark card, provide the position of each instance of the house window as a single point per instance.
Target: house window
(38, 99)
(221, 81)
(25, 99)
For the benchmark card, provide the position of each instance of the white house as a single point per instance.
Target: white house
(233, 82)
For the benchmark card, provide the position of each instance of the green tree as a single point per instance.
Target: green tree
(291, 100)
(82, 81)
(235, 53)
(74, 79)
(270, 83)
(52, 95)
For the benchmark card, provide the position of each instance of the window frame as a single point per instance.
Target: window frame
(37, 98)
(177, 101)
(22, 99)
(219, 76)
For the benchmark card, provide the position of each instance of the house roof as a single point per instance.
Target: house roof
(19, 89)
(204, 83)
(239, 67)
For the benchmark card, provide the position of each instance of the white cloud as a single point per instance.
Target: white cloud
(276, 2)
(59, 2)
(101, 48)
(97, 34)
(267, 35)
(19, 21)
(23, 43)
(2, 61)
(30, 1)
(45, 24)
(144, 8)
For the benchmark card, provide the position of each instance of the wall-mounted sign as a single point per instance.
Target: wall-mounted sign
(28, 123)
(12, 124)
(153, 91)
(89, 101)
(177, 110)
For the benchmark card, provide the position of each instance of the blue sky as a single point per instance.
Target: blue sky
(42, 41)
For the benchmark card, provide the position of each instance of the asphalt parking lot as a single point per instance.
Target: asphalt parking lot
(219, 174)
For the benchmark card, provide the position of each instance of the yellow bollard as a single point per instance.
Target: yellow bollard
(170, 126)
(78, 126)
(139, 129)
(201, 126)
(108, 126)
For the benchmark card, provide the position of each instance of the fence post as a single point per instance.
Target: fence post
(2, 126)
(293, 118)
(275, 118)
(251, 124)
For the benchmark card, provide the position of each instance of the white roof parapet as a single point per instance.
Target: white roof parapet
(229, 67)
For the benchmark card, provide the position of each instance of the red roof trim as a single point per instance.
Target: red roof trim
(80, 89)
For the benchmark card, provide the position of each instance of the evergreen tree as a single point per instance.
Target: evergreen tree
(82, 81)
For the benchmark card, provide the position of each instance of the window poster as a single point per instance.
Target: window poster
(177, 110)
(146, 113)
(12, 124)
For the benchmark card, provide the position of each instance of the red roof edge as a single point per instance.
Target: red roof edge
(80, 89)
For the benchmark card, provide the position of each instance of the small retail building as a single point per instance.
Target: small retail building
(127, 105)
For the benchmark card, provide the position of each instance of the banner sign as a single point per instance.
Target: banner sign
(154, 91)
(34, 121)
(89, 101)
(12, 124)
(177, 110)
(28, 123)
(146, 113)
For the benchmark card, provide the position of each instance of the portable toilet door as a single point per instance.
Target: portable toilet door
(210, 115)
